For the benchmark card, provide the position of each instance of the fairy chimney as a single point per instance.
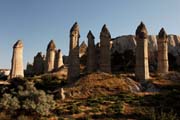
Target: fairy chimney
(105, 53)
(73, 59)
(50, 56)
(58, 60)
(163, 65)
(17, 60)
(142, 66)
(91, 54)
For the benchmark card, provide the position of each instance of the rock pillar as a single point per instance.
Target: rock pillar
(50, 56)
(38, 64)
(58, 60)
(91, 54)
(142, 66)
(163, 65)
(105, 53)
(17, 60)
(73, 59)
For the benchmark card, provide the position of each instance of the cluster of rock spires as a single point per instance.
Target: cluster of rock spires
(42, 64)
(101, 56)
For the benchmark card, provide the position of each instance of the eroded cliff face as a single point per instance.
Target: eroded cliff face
(123, 44)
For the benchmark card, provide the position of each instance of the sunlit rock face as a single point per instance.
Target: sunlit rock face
(163, 66)
(142, 64)
(17, 60)
(50, 56)
(82, 49)
(58, 63)
(123, 43)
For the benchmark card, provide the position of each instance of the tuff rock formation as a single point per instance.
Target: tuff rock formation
(125, 43)
(142, 66)
(62, 94)
(163, 66)
(91, 54)
(58, 60)
(105, 53)
(82, 49)
(73, 59)
(17, 60)
(38, 64)
(50, 56)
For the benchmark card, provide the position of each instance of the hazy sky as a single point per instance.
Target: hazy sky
(36, 22)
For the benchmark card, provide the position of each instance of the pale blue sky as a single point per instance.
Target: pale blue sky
(36, 22)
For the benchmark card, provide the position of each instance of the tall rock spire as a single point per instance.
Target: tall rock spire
(163, 66)
(17, 60)
(73, 60)
(142, 65)
(50, 56)
(91, 55)
(105, 54)
(58, 60)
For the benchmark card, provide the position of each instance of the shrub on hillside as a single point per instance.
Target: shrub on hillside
(26, 99)
(50, 83)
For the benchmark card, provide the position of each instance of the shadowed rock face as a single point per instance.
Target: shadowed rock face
(38, 64)
(51, 45)
(163, 65)
(105, 53)
(141, 31)
(17, 60)
(50, 56)
(58, 60)
(91, 55)
(142, 65)
(73, 59)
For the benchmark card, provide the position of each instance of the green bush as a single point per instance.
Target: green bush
(49, 83)
(155, 115)
(74, 109)
(116, 108)
(28, 100)
(9, 103)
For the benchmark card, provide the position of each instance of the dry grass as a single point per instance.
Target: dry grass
(96, 84)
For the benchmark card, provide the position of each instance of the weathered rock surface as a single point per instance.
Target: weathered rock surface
(50, 56)
(163, 66)
(73, 59)
(82, 49)
(17, 60)
(38, 64)
(142, 65)
(58, 60)
(91, 54)
(105, 53)
(123, 43)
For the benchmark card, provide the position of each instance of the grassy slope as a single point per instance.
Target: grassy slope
(107, 96)
(104, 96)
